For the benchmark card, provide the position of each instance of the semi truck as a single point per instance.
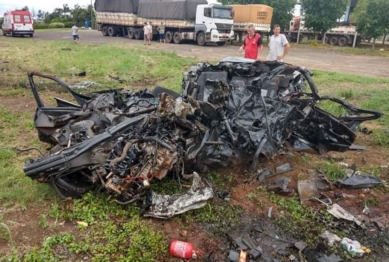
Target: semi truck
(341, 35)
(258, 15)
(200, 21)
(344, 34)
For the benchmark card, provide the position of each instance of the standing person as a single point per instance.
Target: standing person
(150, 33)
(145, 33)
(75, 34)
(161, 31)
(278, 45)
(252, 42)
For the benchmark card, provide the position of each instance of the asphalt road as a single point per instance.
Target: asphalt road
(310, 58)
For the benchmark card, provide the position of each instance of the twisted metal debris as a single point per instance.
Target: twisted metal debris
(238, 109)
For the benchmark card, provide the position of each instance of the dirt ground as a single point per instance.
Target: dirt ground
(310, 58)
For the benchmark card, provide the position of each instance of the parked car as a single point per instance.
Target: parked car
(18, 22)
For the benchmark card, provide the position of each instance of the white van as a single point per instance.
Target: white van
(18, 22)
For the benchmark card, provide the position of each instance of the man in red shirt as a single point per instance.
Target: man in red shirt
(252, 42)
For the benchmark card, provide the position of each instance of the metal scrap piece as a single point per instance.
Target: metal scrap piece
(360, 181)
(283, 168)
(167, 206)
(307, 190)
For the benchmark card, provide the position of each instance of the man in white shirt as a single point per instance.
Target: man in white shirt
(75, 34)
(150, 33)
(278, 45)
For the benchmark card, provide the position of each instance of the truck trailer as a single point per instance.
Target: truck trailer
(258, 15)
(201, 21)
(341, 35)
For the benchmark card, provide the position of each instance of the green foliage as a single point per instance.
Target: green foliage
(56, 25)
(372, 18)
(322, 15)
(40, 25)
(333, 171)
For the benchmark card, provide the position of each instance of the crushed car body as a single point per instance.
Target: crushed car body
(234, 111)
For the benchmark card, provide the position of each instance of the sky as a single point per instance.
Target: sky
(47, 6)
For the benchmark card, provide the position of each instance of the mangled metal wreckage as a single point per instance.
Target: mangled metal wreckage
(236, 110)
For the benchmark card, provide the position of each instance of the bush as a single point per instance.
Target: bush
(56, 25)
(40, 25)
(68, 24)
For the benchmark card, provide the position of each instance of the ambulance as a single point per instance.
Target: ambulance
(18, 22)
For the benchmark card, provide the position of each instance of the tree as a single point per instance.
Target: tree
(322, 15)
(372, 19)
(40, 14)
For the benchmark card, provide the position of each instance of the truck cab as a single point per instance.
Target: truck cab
(18, 22)
(214, 23)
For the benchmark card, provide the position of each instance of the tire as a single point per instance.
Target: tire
(200, 39)
(177, 38)
(68, 187)
(131, 33)
(334, 40)
(104, 30)
(343, 41)
(138, 34)
(169, 37)
(220, 43)
(112, 31)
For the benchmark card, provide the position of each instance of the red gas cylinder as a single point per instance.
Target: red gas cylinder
(183, 250)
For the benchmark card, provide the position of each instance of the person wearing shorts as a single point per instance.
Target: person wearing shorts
(75, 34)
(145, 33)
(161, 30)
(149, 33)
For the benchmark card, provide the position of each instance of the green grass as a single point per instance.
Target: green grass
(362, 49)
(137, 65)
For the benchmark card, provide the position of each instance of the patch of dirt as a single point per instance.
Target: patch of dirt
(19, 104)
(25, 229)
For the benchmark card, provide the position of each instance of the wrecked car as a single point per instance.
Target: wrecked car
(237, 110)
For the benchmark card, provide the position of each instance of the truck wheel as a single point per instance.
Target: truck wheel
(169, 37)
(112, 31)
(104, 30)
(138, 34)
(177, 38)
(220, 43)
(131, 33)
(343, 41)
(201, 39)
(333, 40)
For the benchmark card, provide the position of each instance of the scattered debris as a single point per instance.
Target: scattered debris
(262, 174)
(330, 238)
(353, 247)
(269, 212)
(233, 256)
(307, 190)
(84, 85)
(120, 80)
(82, 223)
(360, 181)
(66, 49)
(366, 210)
(339, 212)
(357, 147)
(280, 186)
(167, 206)
(283, 168)
(366, 131)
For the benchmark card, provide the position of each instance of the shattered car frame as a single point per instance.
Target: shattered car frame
(120, 140)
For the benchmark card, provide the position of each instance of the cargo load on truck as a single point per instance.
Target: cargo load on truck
(260, 16)
(117, 6)
(169, 9)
